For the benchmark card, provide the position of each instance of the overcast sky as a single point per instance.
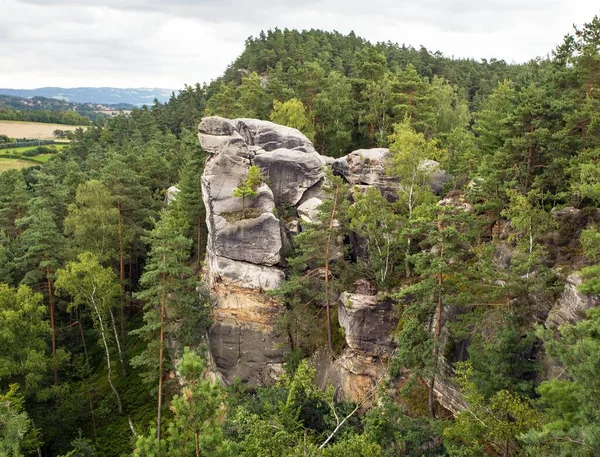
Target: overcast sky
(158, 43)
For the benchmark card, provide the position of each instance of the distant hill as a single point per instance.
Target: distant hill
(103, 95)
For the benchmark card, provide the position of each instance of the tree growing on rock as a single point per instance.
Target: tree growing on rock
(248, 187)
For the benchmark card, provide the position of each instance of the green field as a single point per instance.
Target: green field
(7, 163)
(21, 150)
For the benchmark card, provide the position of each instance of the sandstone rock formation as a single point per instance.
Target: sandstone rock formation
(246, 252)
(366, 168)
(368, 322)
(571, 305)
(245, 241)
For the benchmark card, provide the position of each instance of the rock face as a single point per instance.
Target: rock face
(571, 305)
(365, 167)
(368, 323)
(246, 238)
(246, 252)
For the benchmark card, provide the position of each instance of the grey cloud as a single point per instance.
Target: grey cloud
(118, 42)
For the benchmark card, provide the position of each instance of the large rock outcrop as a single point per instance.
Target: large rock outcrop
(246, 239)
(246, 247)
(571, 305)
(367, 168)
(368, 322)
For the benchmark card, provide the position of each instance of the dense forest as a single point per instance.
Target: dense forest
(49, 110)
(94, 266)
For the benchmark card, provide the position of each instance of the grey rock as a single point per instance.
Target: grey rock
(438, 177)
(243, 340)
(171, 194)
(309, 210)
(368, 323)
(270, 136)
(447, 393)
(243, 274)
(255, 240)
(215, 125)
(247, 353)
(353, 374)
(290, 173)
(571, 305)
(367, 167)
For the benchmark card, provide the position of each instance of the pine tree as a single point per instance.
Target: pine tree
(93, 221)
(43, 249)
(167, 282)
(248, 187)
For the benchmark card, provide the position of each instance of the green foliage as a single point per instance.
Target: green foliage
(167, 281)
(248, 187)
(293, 114)
(515, 140)
(23, 337)
(569, 404)
(498, 422)
(14, 424)
(195, 428)
(372, 217)
(93, 221)
(390, 427)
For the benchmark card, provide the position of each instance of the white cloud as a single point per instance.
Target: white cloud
(135, 43)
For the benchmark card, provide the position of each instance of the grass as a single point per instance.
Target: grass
(58, 147)
(10, 164)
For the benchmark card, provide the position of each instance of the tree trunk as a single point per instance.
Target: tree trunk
(87, 385)
(52, 324)
(108, 363)
(114, 326)
(327, 250)
(438, 330)
(160, 361)
(197, 442)
(121, 275)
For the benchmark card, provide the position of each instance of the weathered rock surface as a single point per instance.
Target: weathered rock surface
(290, 173)
(171, 194)
(243, 341)
(246, 241)
(246, 238)
(309, 210)
(438, 177)
(368, 323)
(571, 305)
(357, 375)
(270, 136)
(367, 167)
(243, 274)
(256, 240)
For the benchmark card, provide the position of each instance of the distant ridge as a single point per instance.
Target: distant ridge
(103, 95)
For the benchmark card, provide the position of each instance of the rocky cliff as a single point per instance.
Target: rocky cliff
(246, 253)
